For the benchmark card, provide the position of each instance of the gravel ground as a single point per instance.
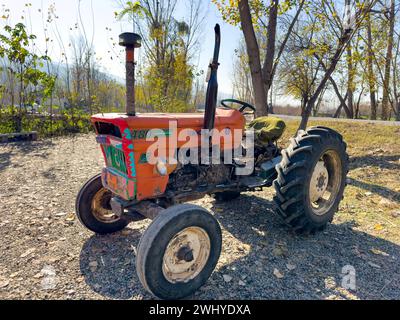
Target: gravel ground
(47, 254)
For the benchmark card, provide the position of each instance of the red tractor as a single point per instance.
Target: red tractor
(180, 249)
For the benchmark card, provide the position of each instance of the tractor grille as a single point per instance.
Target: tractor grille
(115, 158)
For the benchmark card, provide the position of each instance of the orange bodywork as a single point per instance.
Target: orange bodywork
(137, 178)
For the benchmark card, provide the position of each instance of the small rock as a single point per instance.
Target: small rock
(227, 278)
(396, 214)
(27, 252)
(290, 267)
(60, 214)
(38, 275)
(368, 193)
(278, 274)
(241, 283)
(374, 265)
(4, 283)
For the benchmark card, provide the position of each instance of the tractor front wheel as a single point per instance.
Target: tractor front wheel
(179, 251)
(311, 179)
(94, 210)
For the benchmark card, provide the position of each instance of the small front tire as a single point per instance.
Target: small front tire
(93, 208)
(178, 251)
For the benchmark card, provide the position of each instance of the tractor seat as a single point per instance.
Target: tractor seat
(267, 129)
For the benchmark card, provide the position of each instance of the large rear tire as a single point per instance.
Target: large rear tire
(178, 251)
(311, 179)
(93, 208)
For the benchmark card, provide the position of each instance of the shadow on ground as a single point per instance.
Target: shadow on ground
(382, 191)
(108, 264)
(318, 260)
(41, 148)
(390, 162)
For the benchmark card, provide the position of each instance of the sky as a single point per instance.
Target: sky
(103, 17)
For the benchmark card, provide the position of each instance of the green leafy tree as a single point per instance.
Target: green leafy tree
(169, 45)
(29, 83)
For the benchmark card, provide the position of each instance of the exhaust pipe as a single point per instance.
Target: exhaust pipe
(130, 41)
(212, 88)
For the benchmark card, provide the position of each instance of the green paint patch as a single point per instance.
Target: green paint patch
(115, 158)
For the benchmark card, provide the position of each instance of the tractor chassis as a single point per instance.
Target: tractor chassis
(135, 210)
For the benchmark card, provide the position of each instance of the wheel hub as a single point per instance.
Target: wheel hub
(186, 255)
(101, 207)
(319, 181)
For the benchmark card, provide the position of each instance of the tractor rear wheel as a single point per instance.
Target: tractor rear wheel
(311, 179)
(93, 208)
(178, 251)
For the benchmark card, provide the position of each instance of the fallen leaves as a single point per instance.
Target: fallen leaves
(280, 250)
(387, 203)
(290, 267)
(70, 217)
(379, 252)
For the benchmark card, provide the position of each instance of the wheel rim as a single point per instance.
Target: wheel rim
(101, 207)
(325, 182)
(186, 255)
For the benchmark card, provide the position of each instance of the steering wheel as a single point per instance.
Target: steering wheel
(244, 105)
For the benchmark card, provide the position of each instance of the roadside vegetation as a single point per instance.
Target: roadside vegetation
(311, 52)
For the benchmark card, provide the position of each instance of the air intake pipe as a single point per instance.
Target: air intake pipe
(212, 88)
(130, 41)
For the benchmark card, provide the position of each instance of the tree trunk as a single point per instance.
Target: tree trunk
(350, 82)
(398, 111)
(253, 52)
(342, 103)
(343, 41)
(388, 62)
(270, 52)
(328, 73)
(371, 75)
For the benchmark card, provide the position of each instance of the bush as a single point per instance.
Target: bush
(66, 122)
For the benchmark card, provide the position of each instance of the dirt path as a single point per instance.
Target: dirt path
(46, 253)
